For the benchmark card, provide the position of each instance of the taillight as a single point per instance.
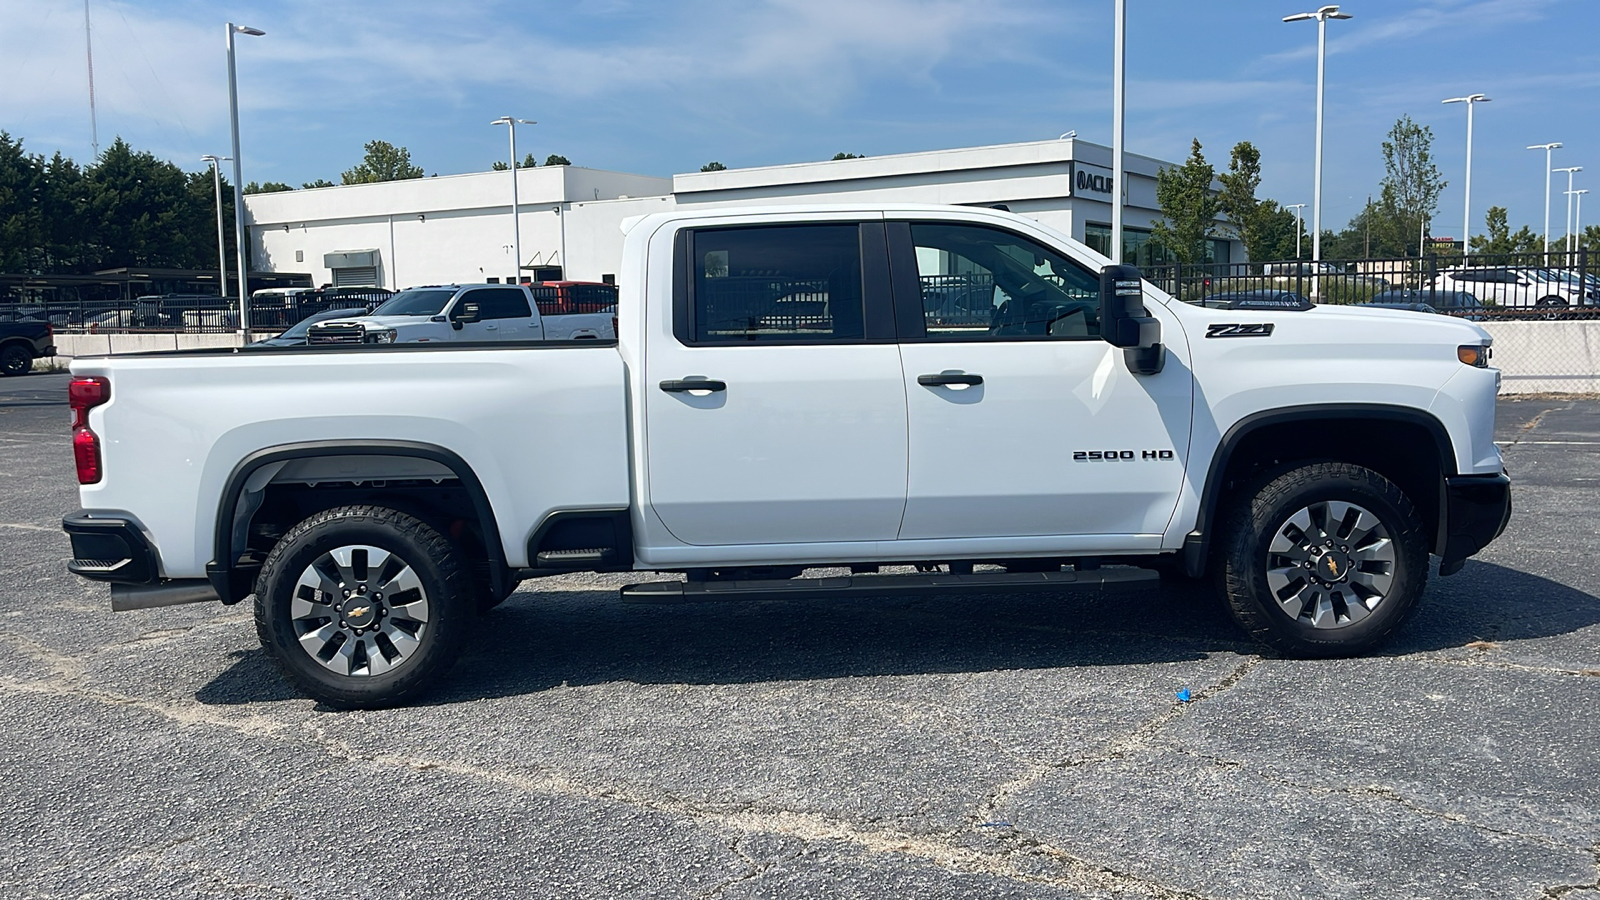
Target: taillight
(84, 394)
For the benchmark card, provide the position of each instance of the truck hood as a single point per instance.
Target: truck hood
(373, 323)
(1418, 324)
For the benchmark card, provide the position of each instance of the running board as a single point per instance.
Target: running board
(890, 585)
(169, 593)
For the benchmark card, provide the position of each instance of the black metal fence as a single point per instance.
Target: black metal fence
(189, 313)
(1556, 285)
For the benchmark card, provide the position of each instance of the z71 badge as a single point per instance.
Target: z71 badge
(1263, 329)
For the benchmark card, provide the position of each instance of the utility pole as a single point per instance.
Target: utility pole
(1118, 101)
(88, 48)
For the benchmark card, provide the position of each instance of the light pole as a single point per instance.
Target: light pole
(1570, 170)
(1118, 100)
(238, 178)
(516, 226)
(1466, 216)
(1546, 148)
(1322, 16)
(1578, 219)
(1297, 207)
(222, 250)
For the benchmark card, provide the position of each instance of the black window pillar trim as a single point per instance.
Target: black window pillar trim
(233, 585)
(1197, 544)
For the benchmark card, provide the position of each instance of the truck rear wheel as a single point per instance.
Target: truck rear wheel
(363, 606)
(15, 360)
(1323, 560)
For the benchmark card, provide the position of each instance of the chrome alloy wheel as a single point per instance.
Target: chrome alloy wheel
(359, 610)
(1330, 564)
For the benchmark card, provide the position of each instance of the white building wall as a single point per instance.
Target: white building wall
(457, 228)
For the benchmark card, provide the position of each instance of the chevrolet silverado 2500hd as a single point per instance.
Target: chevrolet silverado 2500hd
(961, 389)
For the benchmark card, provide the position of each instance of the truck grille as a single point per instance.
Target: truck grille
(336, 333)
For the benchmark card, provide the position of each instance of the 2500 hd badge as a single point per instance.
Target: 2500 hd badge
(1119, 455)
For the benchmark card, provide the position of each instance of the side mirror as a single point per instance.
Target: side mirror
(465, 313)
(1125, 323)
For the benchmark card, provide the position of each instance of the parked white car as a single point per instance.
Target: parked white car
(1512, 287)
(461, 313)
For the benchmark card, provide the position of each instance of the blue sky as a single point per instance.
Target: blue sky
(664, 86)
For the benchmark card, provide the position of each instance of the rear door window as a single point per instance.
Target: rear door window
(778, 284)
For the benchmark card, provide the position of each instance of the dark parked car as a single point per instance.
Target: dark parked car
(166, 310)
(22, 342)
(1413, 307)
(295, 336)
(1456, 303)
(1259, 298)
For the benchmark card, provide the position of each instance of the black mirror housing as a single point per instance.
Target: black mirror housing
(1124, 321)
(467, 312)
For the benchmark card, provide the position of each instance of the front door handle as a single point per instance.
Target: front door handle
(944, 378)
(680, 387)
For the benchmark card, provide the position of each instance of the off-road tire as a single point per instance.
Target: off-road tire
(15, 359)
(440, 574)
(1265, 506)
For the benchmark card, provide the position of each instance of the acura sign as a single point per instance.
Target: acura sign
(1091, 181)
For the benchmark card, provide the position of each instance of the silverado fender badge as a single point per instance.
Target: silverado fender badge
(1222, 330)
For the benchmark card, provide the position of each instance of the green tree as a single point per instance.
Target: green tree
(849, 156)
(556, 159)
(713, 166)
(1411, 187)
(499, 165)
(319, 183)
(22, 184)
(267, 187)
(1275, 233)
(1188, 205)
(383, 162)
(1253, 221)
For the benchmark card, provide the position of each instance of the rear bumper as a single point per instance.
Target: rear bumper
(47, 350)
(109, 548)
(1477, 508)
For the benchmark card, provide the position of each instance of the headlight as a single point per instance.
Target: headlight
(1474, 355)
(381, 336)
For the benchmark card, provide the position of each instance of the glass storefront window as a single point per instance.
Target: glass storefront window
(1137, 250)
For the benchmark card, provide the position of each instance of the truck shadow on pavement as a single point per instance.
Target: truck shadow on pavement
(539, 640)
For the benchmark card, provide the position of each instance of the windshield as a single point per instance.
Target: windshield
(416, 302)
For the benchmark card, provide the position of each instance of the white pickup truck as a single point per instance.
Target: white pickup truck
(462, 313)
(957, 389)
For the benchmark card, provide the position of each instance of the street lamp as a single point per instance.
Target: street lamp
(516, 226)
(238, 178)
(1322, 16)
(1466, 216)
(1546, 148)
(1570, 170)
(222, 252)
(1578, 219)
(1297, 207)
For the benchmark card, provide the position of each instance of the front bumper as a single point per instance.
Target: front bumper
(1476, 510)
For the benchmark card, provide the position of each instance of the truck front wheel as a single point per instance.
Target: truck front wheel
(1323, 560)
(363, 606)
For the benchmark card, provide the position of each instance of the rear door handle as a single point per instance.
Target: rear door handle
(948, 378)
(680, 387)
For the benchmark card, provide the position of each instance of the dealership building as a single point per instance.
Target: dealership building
(457, 228)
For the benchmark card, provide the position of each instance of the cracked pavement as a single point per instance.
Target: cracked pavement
(960, 746)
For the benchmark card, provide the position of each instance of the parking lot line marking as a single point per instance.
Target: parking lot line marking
(25, 527)
(1549, 443)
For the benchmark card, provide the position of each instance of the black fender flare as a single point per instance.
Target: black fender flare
(227, 580)
(1197, 543)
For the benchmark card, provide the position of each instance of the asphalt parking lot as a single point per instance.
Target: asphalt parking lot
(961, 746)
